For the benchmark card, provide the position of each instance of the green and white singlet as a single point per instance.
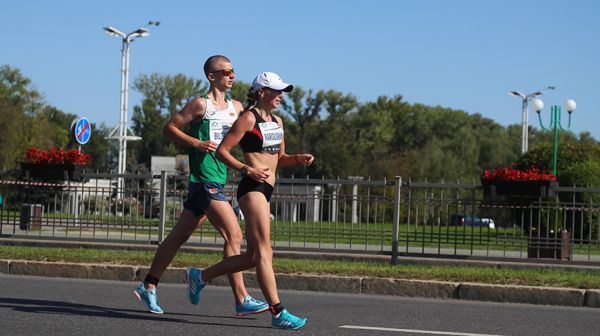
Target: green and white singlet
(204, 167)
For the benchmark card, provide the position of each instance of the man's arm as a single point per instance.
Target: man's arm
(174, 127)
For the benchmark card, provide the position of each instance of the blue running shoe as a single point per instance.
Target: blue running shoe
(194, 285)
(285, 320)
(148, 298)
(250, 306)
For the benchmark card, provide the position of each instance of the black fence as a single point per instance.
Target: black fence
(355, 215)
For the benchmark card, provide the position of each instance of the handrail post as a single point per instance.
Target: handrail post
(396, 219)
(163, 202)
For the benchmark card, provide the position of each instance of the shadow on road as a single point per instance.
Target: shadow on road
(70, 308)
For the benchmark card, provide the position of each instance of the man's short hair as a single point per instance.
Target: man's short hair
(209, 65)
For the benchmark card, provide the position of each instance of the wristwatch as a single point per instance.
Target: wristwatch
(244, 170)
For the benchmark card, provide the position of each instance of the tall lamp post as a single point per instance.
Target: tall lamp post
(121, 132)
(525, 122)
(555, 123)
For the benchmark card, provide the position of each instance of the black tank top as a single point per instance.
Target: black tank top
(265, 136)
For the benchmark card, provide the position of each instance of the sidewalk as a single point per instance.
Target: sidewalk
(323, 283)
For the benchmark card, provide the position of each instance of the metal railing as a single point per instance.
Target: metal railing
(388, 217)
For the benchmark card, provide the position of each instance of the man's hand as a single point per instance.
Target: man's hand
(206, 146)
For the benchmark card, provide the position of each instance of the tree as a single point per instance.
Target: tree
(330, 139)
(375, 127)
(303, 107)
(12, 129)
(239, 92)
(568, 155)
(60, 126)
(163, 95)
(18, 105)
(99, 148)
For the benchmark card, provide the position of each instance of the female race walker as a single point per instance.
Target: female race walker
(260, 135)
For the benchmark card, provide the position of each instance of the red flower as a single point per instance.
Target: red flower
(57, 156)
(511, 174)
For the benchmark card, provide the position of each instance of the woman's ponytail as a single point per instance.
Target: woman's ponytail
(251, 99)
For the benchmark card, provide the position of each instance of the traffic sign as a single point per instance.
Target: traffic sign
(82, 130)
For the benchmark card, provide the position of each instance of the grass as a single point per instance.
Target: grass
(546, 277)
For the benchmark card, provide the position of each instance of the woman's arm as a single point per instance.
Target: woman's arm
(286, 160)
(243, 124)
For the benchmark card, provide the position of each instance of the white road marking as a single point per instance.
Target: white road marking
(414, 331)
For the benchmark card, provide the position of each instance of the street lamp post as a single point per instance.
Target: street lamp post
(525, 122)
(121, 132)
(555, 123)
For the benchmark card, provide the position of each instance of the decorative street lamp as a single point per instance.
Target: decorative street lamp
(525, 126)
(121, 132)
(555, 122)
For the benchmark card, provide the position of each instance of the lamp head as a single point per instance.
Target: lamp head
(516, 94)
(537, 94)
(570, 105)
(141, 32)
(538, 105)
(112, 31)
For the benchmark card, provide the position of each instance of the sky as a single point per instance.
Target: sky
(459, 54)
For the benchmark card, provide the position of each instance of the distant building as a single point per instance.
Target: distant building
(173, 165)
(159, 164)
(95, 192)
(297, 203)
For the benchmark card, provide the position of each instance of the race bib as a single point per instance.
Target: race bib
(218, 129)
(272, 136)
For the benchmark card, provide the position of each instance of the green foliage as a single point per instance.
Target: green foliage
(164, 95)
(12, 129)
(578, 164)
(25, 121)
(375, 127)
(569, 153)
(490, 275)
(18, 103)
(582, 173)
(98, 147)
(239, 92)
(378, 139)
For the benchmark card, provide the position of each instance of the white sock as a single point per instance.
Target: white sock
(200, 279)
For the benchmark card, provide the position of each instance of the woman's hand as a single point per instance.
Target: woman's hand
(258, 174)
(305, 159)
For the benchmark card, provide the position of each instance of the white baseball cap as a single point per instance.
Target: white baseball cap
(270, 80)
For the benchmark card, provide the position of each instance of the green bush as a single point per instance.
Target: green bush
(582, 174)
(95, 205)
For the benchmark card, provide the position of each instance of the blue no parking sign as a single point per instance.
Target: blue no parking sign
(83, 130)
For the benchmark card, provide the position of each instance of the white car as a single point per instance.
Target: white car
(489, 222)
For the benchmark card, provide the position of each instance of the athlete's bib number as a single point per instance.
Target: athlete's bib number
(272, 136)
(218, 129)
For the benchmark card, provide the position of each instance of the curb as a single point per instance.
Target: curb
(360, 256)
(522, 294)
(327, 283)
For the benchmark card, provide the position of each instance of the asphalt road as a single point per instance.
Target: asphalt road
(56, 306)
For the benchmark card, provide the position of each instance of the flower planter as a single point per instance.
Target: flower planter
(519, 188)
(51, 171)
